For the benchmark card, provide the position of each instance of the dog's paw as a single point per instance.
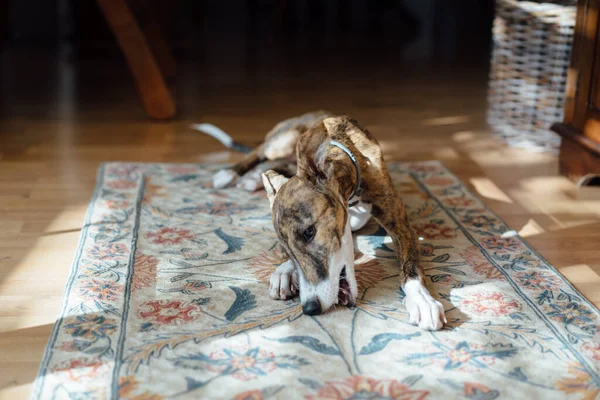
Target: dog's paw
(224, 178)
(250, 182)
(423, 310)
(284, 282)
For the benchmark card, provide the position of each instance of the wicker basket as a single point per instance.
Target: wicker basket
(530, 60)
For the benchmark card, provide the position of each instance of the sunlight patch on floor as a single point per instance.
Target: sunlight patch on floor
(463, 137)
(489, 190)
(216, 157)
(498, 157)
(580, 273)
(531, 228)
(489, 151)
(68, 220)
(446, 153)
(453, 120)
(48, 257)
(586, 280)
(29, 309)
(554, 185)
(554, 197)
(530, 181)
(15, 392)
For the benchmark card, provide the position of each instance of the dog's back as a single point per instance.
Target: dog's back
(280, 142)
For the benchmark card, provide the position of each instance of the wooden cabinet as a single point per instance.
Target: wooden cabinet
(580, 130)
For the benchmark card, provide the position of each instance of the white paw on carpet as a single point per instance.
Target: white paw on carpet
(224, 178)
(423, 310)
(250, 182)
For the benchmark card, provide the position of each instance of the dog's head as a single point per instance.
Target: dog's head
(311, 220)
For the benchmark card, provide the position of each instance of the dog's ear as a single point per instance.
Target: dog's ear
(334, 124)
(311, 154)
(343, 125)
(273, 181)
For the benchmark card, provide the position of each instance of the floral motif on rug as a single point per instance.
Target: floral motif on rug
(168, 298)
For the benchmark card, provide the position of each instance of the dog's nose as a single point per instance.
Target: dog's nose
(312, 307)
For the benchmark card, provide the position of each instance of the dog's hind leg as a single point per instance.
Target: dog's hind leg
(390, 212)
(252, 180)
(228, 177)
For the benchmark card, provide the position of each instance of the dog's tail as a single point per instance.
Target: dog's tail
(221, 136)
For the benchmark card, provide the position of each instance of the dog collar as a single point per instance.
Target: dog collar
(358, 187)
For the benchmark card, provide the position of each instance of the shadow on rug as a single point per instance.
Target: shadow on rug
(168, 298)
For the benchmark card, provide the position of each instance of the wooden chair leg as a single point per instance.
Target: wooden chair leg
(158, 44)
(144, 66)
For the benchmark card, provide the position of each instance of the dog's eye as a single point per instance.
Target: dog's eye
(309, 233)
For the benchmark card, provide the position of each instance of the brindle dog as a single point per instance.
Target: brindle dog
(314, 222)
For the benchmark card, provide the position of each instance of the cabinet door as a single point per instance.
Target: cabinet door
(582, 109)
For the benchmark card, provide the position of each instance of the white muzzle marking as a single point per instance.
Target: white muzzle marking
(327, 290)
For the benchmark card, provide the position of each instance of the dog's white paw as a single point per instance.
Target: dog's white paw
(224, 178)
(423, 310)
(284, 282)
(250, 182)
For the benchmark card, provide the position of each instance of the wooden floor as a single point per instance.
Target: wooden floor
(57, 126)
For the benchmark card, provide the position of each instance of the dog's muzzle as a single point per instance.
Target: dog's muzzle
(312, 307)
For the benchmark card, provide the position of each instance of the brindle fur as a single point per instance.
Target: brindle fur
(318, 196)
(325, 180)
(280, 144)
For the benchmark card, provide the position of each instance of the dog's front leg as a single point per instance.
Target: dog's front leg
(284, 281)
(423, 309)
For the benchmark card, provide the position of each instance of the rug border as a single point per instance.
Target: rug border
(118, 362)
(40, 377)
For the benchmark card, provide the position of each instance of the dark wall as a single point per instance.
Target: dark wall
(455, 32)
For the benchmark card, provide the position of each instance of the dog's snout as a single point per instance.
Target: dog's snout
(312, 307)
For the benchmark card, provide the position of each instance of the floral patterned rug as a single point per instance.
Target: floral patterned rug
(168, 299)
